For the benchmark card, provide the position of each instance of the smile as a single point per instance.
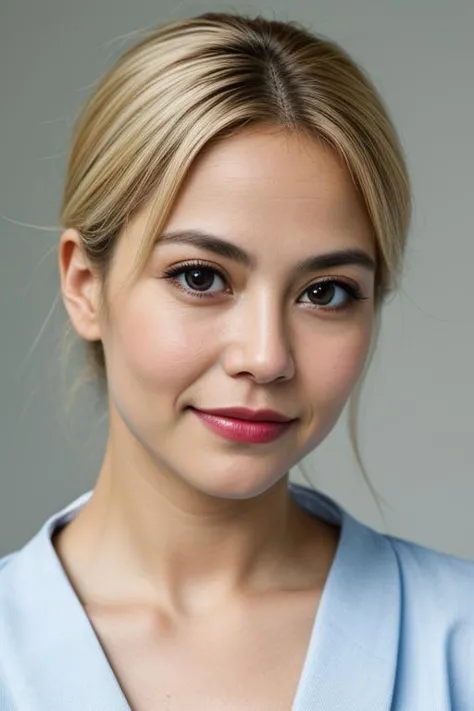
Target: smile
(240, 430)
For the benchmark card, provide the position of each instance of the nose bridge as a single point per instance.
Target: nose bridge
(262, 344)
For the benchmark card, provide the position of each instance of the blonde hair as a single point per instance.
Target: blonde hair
(198, 80)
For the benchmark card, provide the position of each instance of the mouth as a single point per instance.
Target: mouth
(244, 413)
(254, 428)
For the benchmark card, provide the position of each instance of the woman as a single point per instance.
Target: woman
(235, 213)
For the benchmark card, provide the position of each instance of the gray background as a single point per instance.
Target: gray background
(417, 414)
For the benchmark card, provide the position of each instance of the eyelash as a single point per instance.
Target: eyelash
(352, 290)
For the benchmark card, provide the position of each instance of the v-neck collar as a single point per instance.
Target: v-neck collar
(353, 652)
(55, 644)
(351, 659)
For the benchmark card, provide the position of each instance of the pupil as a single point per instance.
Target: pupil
(200, 279)
(322, 294)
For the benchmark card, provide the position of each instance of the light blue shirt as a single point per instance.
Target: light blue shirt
(394, 630)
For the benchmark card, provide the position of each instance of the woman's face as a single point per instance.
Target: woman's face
(250, 299)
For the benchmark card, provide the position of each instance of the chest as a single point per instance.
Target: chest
(235, 662)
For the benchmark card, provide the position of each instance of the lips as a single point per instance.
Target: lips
(230, 424)
(244, 413)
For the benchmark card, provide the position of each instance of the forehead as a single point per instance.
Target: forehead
(265, 181)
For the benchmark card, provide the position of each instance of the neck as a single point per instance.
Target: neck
(152, 539)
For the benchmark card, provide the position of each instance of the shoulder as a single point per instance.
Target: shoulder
(11, 612)
(18, 577)
(9, 578)
(440, 575)
(437, 622)
(32, 585)
(420, 572)
(435, 589)
(37, 554)
(437, 595)
(5, 560)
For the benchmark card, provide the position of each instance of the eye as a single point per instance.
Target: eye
(197, 279)
(332, 294)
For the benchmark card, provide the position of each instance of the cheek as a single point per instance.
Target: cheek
(335, 364)
(158, 344)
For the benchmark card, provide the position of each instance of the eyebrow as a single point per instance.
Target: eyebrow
(223, 248)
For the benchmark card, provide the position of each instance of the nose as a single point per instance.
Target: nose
(258, 343)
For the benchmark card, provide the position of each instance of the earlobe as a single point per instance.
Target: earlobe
(80, 286)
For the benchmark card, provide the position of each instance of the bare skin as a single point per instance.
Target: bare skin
(200, 575)
(246, 652)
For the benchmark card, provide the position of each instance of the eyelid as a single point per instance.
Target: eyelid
(174, 270)
(353, 289)
(190, 263)
(336, 278)
(193, 263)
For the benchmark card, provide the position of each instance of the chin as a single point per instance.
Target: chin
(238, 482)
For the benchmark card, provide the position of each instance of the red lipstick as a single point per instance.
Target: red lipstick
(243, 425)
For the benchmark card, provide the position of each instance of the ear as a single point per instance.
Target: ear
(80, 286)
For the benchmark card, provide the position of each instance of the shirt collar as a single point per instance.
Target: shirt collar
(54, 655)
(353, 652)
(351, 659)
